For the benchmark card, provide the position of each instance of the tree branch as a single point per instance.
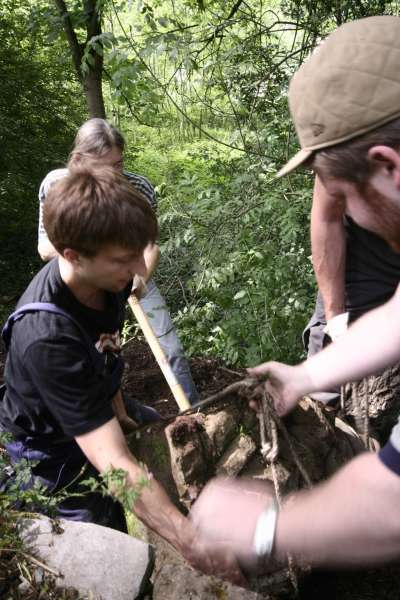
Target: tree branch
(75, 47)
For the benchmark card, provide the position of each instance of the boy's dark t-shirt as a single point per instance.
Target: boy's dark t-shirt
(58, 387)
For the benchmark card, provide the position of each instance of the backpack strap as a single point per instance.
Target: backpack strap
(40, 306)
(112, 380)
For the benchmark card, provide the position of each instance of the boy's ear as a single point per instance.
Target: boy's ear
(72, 256)
(387, 160)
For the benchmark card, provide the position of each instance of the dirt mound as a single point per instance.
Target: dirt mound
(144, 380)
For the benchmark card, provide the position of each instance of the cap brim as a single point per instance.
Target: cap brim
(294, 162)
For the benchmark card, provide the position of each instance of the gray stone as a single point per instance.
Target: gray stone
(236, 456)
(93, 559)
(176, 582)
(221, 428)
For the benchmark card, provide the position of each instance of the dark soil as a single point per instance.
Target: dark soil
(144, 381)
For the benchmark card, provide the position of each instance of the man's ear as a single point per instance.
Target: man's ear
(72, 256)
(388, 160)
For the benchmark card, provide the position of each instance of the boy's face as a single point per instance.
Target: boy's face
(111, 268)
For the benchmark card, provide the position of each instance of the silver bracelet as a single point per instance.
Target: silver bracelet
(264, 534)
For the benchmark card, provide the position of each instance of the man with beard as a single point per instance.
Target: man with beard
(345, 103)
(355, 269)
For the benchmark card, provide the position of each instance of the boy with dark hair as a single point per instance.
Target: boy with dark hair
(345, 103)
(63, 364)
(100, 144)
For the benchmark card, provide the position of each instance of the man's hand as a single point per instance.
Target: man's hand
(213, 557)
(285, 384)
(227, 512)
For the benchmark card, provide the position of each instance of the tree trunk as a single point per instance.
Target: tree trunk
(92, 86)
(92, 80)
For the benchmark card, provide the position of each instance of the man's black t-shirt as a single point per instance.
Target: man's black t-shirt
(372, 269)
(55, 388)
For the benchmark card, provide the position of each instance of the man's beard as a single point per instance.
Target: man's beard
(386, 213)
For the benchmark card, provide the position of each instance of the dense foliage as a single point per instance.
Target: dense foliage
(199, 89)
(40, 109)
(236, 244)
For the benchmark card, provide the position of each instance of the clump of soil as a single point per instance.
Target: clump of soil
(183, 429)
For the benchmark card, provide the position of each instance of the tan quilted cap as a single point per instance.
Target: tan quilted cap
(348, 86)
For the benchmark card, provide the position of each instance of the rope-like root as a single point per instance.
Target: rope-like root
(361, 415)
(270, 450)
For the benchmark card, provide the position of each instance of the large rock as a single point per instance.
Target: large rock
(221, 428)
(175, 582)
(90, 558)
(236, 456)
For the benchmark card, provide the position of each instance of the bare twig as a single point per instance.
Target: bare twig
(34, 560)
(248, 383)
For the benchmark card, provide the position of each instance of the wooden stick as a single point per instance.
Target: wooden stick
(159, 354)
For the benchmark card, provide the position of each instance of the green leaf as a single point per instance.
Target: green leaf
(239, 295)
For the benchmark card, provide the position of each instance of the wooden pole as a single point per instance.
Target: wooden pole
(159, 354)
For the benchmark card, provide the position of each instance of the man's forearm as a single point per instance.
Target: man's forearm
(329, 267)
(352, 519)
(156, 511)
(328, 249)
(371, 344)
